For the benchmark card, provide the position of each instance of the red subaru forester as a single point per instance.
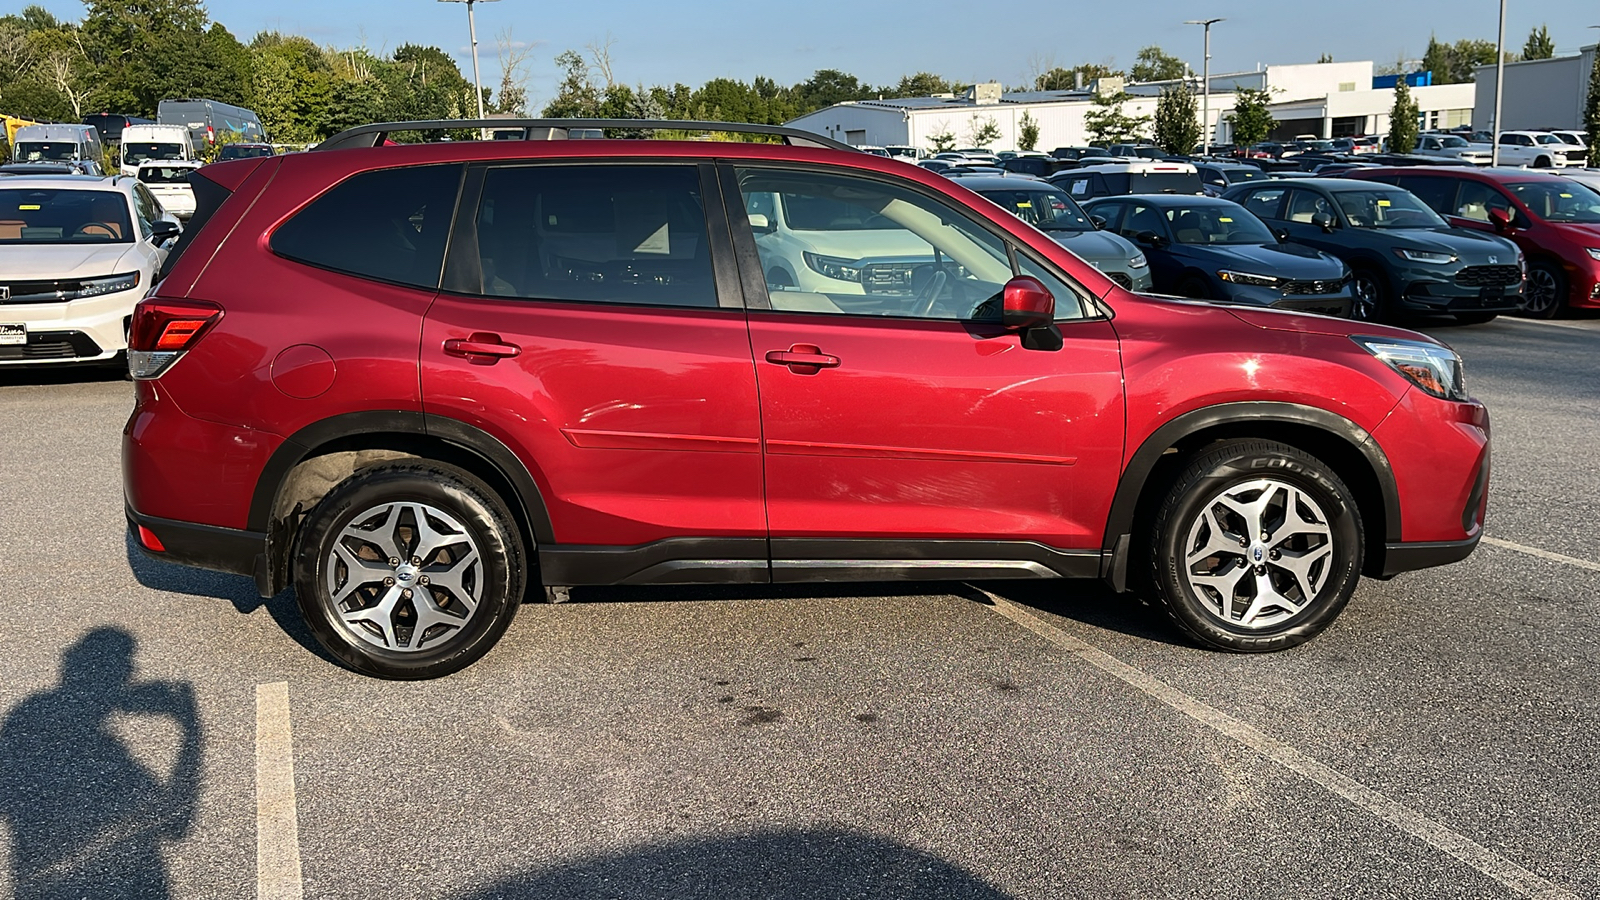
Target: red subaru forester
(421, 382)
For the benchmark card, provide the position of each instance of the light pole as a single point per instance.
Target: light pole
(472, 29)
(1205, 89)
(1499, 84)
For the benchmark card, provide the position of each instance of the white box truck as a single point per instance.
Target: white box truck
(153, 143)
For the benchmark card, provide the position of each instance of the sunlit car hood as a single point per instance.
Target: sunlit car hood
(1473, 247)
(1284, 260)
(1096, 246)
(38, 262)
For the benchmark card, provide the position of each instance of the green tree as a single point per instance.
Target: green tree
(1059, 79)
(1403, 120)
(1325, 59)
(576, 95)
(922, 84)
(1251, 119)
(145, 51)
(1177, 126)
(291, 86)
(1108, 124)
(1028, 138)
(982, 131)
(943, 139)
(1539, 45)
(1155, 64)
(1453, 63)
(829, 86)
(1591, 109)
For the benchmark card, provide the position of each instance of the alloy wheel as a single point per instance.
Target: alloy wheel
(404, 576)
(1258, 553)
(1365, 307)
(1541, 293)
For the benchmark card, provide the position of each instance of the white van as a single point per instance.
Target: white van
(59, 143)
(158, 143)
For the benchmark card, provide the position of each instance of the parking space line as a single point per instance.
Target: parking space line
(277, 828)
(1543, 554)
(1514, 877)
(1570, 326)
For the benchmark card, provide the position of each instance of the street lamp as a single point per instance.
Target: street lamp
(472, 29)
(1205, 101)
(1499, 84)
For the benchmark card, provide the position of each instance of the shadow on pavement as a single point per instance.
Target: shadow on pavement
(88, 819)
(236, 589)
(1092, 603)
(15, 376)
(781, 865)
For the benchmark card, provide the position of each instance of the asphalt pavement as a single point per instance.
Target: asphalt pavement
(1006, 740)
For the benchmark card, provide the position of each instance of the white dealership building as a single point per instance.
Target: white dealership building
(1322, 99)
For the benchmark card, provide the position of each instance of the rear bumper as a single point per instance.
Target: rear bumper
(202, 546)
(1398, 558)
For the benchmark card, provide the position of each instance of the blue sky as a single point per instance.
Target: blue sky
(879, 41)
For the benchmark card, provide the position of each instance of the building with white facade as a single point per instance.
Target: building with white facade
(1322, 99)
(1540, 93)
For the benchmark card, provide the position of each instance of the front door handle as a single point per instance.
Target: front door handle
(481, 346)
(803, 359)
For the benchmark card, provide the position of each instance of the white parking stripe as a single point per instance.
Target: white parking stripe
(1523, 882)
(1543, 554)
(1572, 326)
(277, 828)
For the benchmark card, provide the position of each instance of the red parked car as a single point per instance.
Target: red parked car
(421, 382)
(1553, 219)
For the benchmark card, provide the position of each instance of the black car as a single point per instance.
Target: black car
(1037, 166)
(110, 125)
(1128, 177)
(1402, 254)
(1212, 249)
(1078, 152)
(1216, 177)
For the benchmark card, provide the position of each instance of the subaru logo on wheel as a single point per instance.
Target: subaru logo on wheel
(1257, 553)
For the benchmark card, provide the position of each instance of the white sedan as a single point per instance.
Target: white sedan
(168, 179)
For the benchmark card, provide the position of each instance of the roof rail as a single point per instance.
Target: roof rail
(557, 130)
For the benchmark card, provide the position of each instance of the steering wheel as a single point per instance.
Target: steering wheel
(95, 229)
(929, 295)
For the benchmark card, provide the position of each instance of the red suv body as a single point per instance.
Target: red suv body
(1553, 219)
(517, 364)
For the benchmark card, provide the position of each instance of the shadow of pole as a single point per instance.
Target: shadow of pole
(88, 819)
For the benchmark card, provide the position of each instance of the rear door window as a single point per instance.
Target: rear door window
(388, 225)
(1438, 193)
(1265, 203)
(633, 234)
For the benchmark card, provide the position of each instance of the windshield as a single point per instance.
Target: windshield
(1568, 137)
(46, 151)
(241, 151)
(1317, 145)
(1162, 183)
(133, 154)
(1547, 139)
(1235, 176)
(1044, 210)
(165, 174)
(60, 216)
(1226, 223)
(1557, 202)
(1452, 142)
(1386, 209)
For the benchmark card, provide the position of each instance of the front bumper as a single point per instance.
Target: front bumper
(1338, 303)
(1430, 291)
(76, 331)
(1439, 451)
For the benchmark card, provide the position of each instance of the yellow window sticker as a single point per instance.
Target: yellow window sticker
(1223, 219)
(29, 206)
(1023, 204)
(1384, 203)
(1566, 196)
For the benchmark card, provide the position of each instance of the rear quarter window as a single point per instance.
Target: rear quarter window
(388, 225)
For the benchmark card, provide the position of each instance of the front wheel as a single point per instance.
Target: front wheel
(1369, 302)
(409, 571)
(1257, 547)
(1545, 292)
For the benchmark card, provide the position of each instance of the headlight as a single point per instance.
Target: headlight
(1594, 252)
(1248, 278)
(96, 286)
(1434, 368)
(833, 267)
(1139, 262)
(1426, 256)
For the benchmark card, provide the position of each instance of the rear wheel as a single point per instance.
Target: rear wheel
(1371, 300)
(1257, 547)
(409, 571)
(1545, 293)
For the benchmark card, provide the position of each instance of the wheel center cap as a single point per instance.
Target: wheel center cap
(1258, 553)
(405, 574)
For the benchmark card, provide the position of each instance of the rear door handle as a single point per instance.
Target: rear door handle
(481, 346)
(803, 359)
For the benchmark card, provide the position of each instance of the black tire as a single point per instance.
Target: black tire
(1238, 466)
(499, 578)
(1371, 295)
(1195, 288)
(1545, 294)
(1476, 318)
(1542, 162)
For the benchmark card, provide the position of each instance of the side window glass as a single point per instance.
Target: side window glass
(1438, 193)
(148, 209)
(388, 225)
(1265, 203)
(632, 234)
(1304, 206)
(843, 244)
(1111, 212)
(1079, 188)
(1476, 199)
(1070, 304)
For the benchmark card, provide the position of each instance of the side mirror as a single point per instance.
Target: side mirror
(1150, 239)
(1501, 219)
(760, 224)
(1099, 222)
(1324, 221)
(162, 230)
(1026, 303)
(1282, 234)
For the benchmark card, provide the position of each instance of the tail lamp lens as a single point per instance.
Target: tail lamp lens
(163, 330)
